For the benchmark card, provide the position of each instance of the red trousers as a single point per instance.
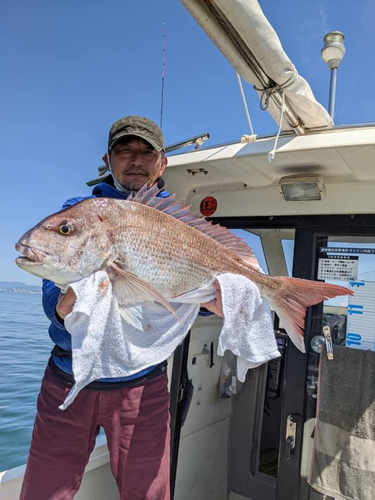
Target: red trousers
(136, 423)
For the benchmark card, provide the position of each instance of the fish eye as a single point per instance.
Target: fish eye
(65, 229)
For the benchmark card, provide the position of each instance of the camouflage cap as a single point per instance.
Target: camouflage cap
(139, 126)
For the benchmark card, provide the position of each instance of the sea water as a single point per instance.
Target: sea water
(24, 352)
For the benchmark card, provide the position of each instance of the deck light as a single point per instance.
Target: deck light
(332, 54)
(334, 49)
(302, 188)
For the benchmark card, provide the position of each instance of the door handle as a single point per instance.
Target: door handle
(288, 447)
(290, 436)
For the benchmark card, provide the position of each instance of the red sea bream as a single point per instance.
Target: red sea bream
(155, 249)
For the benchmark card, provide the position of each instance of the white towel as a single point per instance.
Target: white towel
(105, 346)
(247, 330)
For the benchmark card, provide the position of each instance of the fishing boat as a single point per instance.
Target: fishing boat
(308, 213)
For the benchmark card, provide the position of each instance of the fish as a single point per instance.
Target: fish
(156, 249)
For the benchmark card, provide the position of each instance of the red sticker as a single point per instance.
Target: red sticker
(208, 206)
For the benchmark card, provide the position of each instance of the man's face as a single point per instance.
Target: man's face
(135, 162)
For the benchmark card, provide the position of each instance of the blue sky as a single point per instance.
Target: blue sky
(70, 69)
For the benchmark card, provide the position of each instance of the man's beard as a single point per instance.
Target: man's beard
(133, 184)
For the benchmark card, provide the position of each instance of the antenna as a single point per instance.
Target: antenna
(163, 75)
(332, 54)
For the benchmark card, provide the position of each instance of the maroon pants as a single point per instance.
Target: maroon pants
(136, 423)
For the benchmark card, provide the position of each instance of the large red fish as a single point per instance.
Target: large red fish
(156, 249)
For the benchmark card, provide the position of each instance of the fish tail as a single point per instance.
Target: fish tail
(290, 298)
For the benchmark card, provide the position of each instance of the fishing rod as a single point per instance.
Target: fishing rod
(163, 74)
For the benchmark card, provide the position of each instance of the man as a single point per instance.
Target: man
(134, 411)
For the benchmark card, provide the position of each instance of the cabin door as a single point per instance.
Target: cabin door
(251, 457)
(342, 253)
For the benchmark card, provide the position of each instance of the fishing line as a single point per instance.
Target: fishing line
(163, 75)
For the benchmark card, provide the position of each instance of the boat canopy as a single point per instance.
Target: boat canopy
(245, 37)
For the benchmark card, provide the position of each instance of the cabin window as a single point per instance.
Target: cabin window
(288, 249)
(255, 243)
(349, 262)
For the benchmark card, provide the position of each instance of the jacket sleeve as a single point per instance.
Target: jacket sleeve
(50, 291)
(50, 295)
(204, 312)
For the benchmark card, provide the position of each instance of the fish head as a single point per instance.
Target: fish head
(69, 245)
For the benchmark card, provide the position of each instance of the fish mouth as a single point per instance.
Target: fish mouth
(30, 256)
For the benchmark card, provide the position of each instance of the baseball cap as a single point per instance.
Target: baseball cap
(139, 126)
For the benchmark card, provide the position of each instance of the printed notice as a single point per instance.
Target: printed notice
(364, 251)
(338, 267)
(361, 316)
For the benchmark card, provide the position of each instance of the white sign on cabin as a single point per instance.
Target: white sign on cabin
(361, 316)
(338, 267)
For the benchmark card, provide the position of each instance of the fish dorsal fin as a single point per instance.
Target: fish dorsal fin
(177, 209)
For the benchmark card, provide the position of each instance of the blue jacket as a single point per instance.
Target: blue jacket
(57, 331)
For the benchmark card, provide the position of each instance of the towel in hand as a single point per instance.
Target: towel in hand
(247, 330)
(106, 346)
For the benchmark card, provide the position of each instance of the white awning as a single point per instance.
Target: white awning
(245, 37)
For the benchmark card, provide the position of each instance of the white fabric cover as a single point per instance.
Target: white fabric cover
(252, 30)
(105, 346)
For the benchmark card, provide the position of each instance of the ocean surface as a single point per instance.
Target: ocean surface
(24, 352)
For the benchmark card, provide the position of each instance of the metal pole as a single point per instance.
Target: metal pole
(332, 93)
(245, 104)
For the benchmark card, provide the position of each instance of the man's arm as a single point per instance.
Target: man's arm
(51, 295)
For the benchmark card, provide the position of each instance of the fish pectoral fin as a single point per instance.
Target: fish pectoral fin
(130, 290)
(132, 315)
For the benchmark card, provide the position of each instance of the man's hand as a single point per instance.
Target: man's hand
(215, 305)
(65, 303)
